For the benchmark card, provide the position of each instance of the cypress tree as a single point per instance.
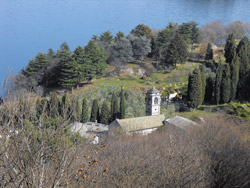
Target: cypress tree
(114, 107)
(217, 88)
(225, 85)
(209, 52)
(210, 83)
(203, 82)
(67, 113)
(105, 114)
(234, 77)
(230, 48)
(1, 101)
(243, 51)
(94, 111)
(194, 89)
(54, 105)
(85, 114)
(75, 110)
(122, 104)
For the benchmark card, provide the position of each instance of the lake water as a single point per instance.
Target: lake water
(30, 26)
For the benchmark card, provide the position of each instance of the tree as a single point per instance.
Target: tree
(142, 30)
(165, 35)
(35, 65)
(243, 51)
(122, 104)
(218, 79)
(203, 82)
(105, 114)
(176, 52)
(119, 35)
(230, 48)
(141, 46)
(194, 89)
(54, 105)
(66, 109)
(185, 31)
(76, 112)
(209, 52)
(98, 59)
(225, 85)
(64, 46)
(121, 52)
(114, 107)
(106, 37)
(51, 53)
(234, 76)
(70, 75)
(94, 111)
(85, 114)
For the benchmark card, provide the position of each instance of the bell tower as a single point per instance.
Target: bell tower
(153, 102)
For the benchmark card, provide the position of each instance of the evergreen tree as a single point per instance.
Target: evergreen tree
(51, 53)
(243, 51)
(234, 76)
(54, 105)
(209, 52)
(185, 31)
(114, 107)
(105, 114)
(119, 35)
(66, 110)
(142, 30)
(177, 51)
(210, 84)
(35, 65)
(194, 89)
(225, 85)
(230, 48)
(70, 75)
(85, 114)
(39, 108)
(107, 37)
(98, 59)
(94, 111)
(64, 46)
(122, 104)
(218, 79)
(76, 112)
(166, 34)
(203, 81)
(1, 101)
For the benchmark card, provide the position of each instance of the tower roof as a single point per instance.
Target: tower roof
(153, 91)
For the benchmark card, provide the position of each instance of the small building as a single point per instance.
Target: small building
(143, 125)
(179, 122)
(89, 130)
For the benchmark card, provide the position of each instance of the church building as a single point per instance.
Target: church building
(145, 124)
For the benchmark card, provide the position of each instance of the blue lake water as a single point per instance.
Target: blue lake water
(30, 26)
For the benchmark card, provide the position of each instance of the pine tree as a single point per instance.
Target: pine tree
(119, 36)
(218, 79)
(70, 75)
(107, 37)
(176, 52)
(203, 82)
(194, 89)
(98, 59)
(54, 104)
(105, 114)
(225, 85)
(114, 107)
(142, 30)
(234, 76)
(94, 111)
(230, 48)
(122, 104)
(35, 65)
(209, 52)
(85, 114)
